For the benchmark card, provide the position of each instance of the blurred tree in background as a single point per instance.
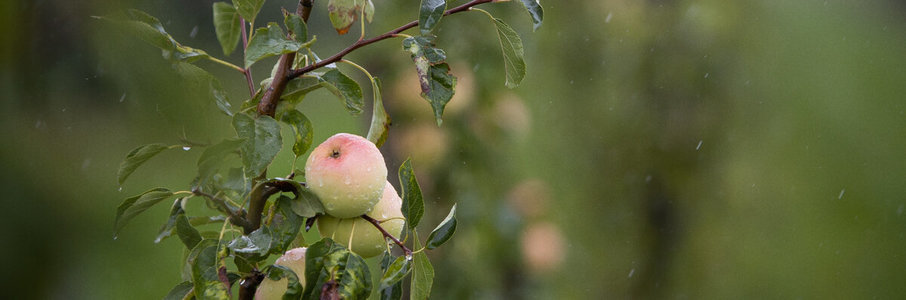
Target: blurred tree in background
(656, 149)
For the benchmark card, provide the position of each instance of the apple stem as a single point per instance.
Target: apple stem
(377, 224)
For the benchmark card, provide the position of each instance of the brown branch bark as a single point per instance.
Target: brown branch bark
(377, 224)
(361, 43)
(268, 107)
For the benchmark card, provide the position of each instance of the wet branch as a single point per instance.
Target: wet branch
(377, 224)
(235, 217)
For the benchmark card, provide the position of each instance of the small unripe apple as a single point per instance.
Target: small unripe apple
(367, 241)
(294, 259)
(348, 173)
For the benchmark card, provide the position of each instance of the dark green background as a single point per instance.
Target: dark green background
(679, 149)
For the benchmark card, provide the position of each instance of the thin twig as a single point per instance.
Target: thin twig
(377, 224)
(235, 217)
(362, 43)
(246, 71)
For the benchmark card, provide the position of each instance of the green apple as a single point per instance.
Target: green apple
(294, 259)
(367, 241)
(348, 173)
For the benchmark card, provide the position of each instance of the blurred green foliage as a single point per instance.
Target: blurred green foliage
(655, 149)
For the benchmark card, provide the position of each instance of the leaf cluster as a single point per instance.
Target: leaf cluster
(261, 215)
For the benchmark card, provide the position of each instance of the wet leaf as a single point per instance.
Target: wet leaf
(269, 41)
(149, 29)
(296, 27)
(413, 205)
(262, 142)
(395, 272)
(429, 14)
(298, 87)
(343, 13)
(422, 273)
(255, 246)
(513, 56)
(380, 120)
(285, 225)
(187, 234)
(435, 80)
(302, 130)
(344, 88)
(443, 231)
(535, 11)
(211, 159)
(395, 291)
(201, 79)
(135, 205)
(180, 291)
(326, 260)
(227, 26)
(294, 287)
(136, 158)
(203, 262)
(248, 9)
(307, 204)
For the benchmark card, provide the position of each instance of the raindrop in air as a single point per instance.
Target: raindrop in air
(699, 145)
(123, 98)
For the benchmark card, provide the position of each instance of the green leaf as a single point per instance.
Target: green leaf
(302, 130)
(343, 13)
(298, 87)
(413, 205)
(262, 142)
(429, 14)
(202, 79)
(227, 26)
(137, 204)
(326, 260)
(175, 210)
(285, 225)
(248, 9)
(180, 291)
(150, 30)
(269, 41)
(395, 272)
(136, 158)
(307, 204)
(437, 84)
(422, 273)
(187, 234)
(203, 261)
(535, 11)
(255, 246)
(296, 27)
(293, 287)
(380, 120)
(395, 291)
(369, 11)
(210, 160)
(344, 88)
(513, 56)
(167, 230)
(443, 231)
